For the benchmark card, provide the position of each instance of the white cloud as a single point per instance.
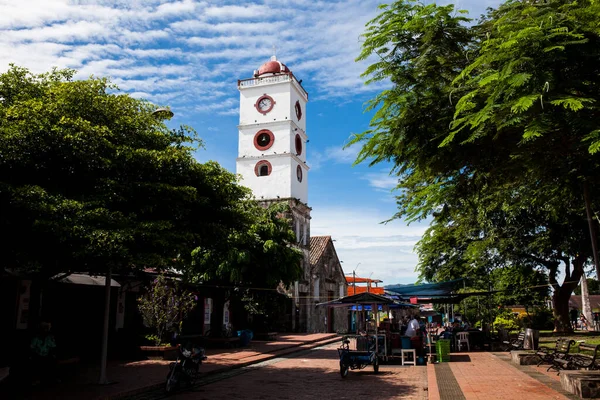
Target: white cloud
(338, 155)
(176, 8)
(133, 40)
(383, 250)
(381, 181)
(238, 12)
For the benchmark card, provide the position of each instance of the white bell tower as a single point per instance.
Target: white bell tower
(272, 158)
(272, 134)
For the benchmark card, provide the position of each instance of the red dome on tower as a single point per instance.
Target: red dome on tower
(272, 67)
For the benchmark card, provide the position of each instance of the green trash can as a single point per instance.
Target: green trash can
(442, 349)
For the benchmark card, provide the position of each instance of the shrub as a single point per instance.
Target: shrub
(164, 307)
(507, 322)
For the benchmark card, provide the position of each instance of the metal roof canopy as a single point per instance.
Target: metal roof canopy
(365, 298)
(440, 289)
(82, 279)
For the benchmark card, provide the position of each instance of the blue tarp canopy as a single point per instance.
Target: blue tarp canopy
(367, 307)
(442, 292)
(366, 299)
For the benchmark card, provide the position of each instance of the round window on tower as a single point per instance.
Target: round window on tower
(298, 144)
(299, 173)
(263, 168)
(264, 139)
(298, 109)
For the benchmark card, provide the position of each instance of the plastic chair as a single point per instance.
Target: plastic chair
(462, 338)
(412, 360)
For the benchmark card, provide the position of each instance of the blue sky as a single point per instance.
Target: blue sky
(189, 55)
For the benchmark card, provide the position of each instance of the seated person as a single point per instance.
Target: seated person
(456, 327)
(446, 333)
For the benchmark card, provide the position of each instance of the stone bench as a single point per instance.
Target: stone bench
(585, 384)
(521, 357)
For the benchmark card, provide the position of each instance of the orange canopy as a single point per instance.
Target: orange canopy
(356, 279)
(363, 289)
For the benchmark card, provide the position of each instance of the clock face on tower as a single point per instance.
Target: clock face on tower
(264, 104)
(298, 108)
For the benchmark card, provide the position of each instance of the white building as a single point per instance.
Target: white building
(272, 162)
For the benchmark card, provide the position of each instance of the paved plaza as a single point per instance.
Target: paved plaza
(307, 367)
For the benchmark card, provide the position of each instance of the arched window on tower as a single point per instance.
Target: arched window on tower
(263, 168)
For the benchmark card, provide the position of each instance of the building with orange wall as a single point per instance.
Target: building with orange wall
(357, 285)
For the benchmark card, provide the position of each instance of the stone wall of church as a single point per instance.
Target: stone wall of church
(327, 282)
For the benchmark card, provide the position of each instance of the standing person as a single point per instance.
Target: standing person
(574, 314)
(43, 351)
(584, 322)
(413, 327)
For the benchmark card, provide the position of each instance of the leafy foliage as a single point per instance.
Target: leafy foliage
(260, 253)
(164, 307)
(492, 131)
(90, 178)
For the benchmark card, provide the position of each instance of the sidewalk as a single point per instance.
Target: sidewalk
(130, 378)
(490, 375)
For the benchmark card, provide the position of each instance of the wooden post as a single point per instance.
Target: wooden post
(104, 356)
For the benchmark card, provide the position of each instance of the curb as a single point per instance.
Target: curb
(279, 353)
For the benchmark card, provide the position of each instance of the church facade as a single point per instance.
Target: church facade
(272, 163)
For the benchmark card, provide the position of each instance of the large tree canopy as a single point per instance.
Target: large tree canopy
(91, 178)
(493, 132)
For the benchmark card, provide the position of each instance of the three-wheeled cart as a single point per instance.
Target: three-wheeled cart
(357, 352)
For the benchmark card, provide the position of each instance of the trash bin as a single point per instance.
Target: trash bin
(442, 348)
(532, 339)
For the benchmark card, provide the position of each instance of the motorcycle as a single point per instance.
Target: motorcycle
(185, 370)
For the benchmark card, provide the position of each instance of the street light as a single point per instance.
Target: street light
(163, 112)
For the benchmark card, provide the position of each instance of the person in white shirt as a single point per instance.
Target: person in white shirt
(413, 327)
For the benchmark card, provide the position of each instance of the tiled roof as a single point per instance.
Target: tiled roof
(318, 244)
(575, 302)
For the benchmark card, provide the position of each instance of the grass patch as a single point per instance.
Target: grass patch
(592, 338)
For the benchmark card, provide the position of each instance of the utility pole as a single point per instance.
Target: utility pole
(354, 277)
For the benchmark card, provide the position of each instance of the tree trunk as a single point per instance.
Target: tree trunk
(592, 226)
(562, 293)
(560, 308)
(585, 303)
(216, 318)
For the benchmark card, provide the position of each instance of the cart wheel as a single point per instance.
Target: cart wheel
(376, 364)
(343, 369)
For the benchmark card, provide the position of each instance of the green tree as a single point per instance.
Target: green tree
(492, 130)
(260, 255)
(90, 179)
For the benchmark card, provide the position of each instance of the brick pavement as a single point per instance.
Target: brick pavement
(316, 375)
(478, 375)
(485, 376)
(132, 377)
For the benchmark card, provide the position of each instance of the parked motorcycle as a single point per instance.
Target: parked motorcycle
(186, 369)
